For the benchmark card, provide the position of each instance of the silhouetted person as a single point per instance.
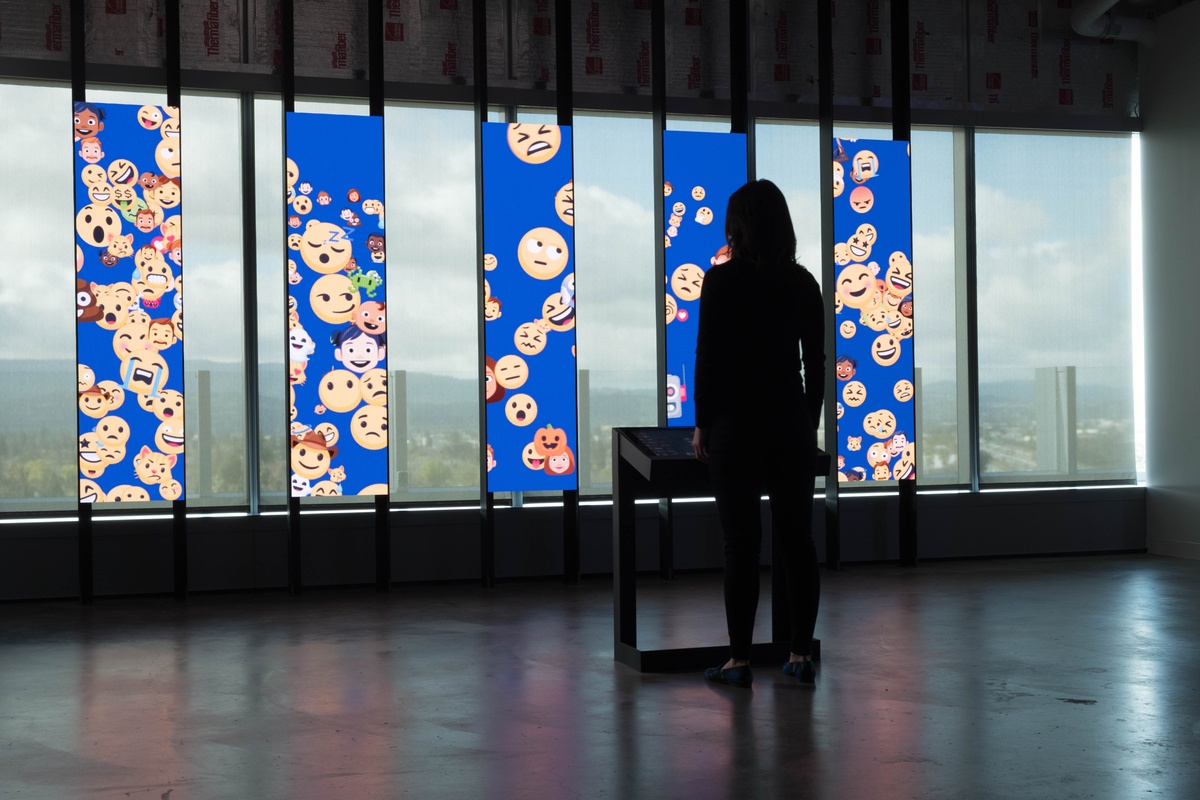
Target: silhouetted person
(761, 317)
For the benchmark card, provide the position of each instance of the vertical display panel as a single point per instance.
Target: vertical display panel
(700, 172)
(529, 307)
(872, 225)
(337, 309)
(129, 302)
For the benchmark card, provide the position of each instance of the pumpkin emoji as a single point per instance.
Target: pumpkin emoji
(550, 440)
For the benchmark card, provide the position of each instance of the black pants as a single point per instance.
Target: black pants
(749, 457)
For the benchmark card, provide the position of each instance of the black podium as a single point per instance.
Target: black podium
(657, 463)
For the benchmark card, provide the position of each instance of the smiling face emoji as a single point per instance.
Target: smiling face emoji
(847, 329)
(340, 390)
(329, 432)
(859, 245)
(90, 492)
(149, 117)
(122, 172)
(512, 372)
(489, 262)
(324, 247)
(310, 457)
(687, 281)
(903, 390)
(97, 225)
(898, 278)
(881, 424)
(521, 410)
(534, 143)
(531, 458)
(543, 253)
(359, 352)
(564, 203)
(856, 286)
(368, 426)
(90, 464)
(530, 338)
(854, 393)
(885, 350)
(558, 314)
(906, 464)
(334, 299)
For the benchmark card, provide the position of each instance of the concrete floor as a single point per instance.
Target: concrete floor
(1030, 678)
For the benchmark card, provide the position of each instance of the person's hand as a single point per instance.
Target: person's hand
(700, 444)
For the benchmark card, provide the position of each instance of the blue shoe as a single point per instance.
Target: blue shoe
(734, 676)
(804, 670)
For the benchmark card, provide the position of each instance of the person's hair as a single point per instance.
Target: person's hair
(758, 226)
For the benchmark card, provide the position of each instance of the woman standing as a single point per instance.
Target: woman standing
(761, 317)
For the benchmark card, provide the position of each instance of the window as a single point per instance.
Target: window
(618, 315)
(38, 466)
(1055, 317)
(215, 390)
(433, 312)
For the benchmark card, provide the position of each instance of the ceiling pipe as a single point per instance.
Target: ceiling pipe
(1095, 18)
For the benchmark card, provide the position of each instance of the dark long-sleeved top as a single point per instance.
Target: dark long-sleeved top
(755, 325)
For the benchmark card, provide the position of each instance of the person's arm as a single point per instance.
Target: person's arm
(812, 347)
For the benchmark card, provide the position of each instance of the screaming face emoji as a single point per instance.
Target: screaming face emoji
(534, 143)
(542, 253)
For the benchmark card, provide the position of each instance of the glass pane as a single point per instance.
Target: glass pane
(788, 154)
(614, 251)
(1055, 350)
(215, 390)
(433, 318)
(38, 466)
(270, 265)
(936, 316)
